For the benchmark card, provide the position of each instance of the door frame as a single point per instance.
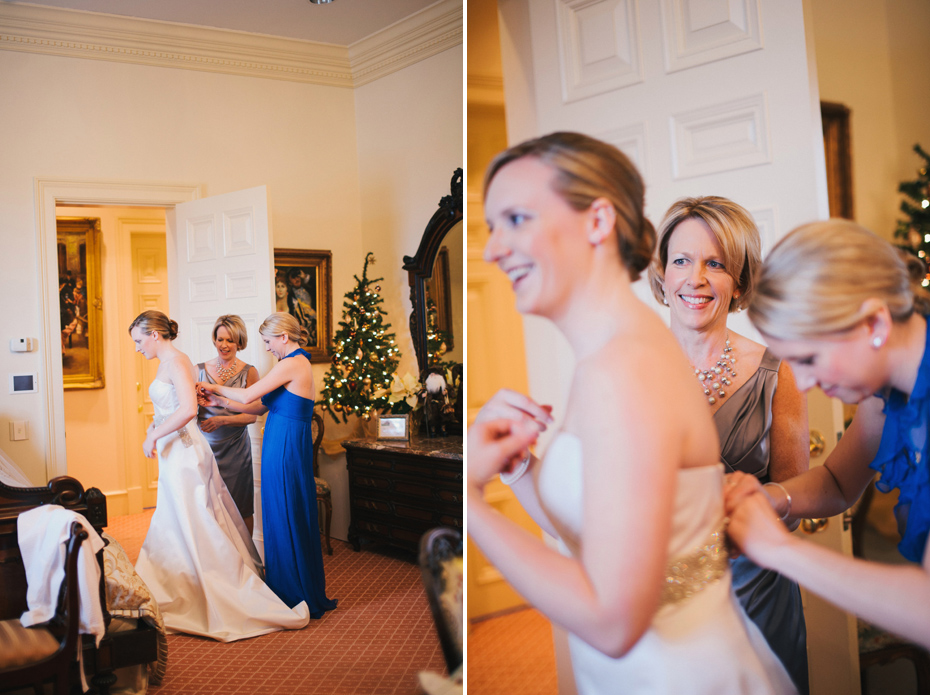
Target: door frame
(50, 192)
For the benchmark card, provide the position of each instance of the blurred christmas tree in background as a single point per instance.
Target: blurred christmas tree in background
(366, 355)
(913, 233)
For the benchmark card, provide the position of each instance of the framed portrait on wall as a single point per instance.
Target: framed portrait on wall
(79, 302)
(303, 283)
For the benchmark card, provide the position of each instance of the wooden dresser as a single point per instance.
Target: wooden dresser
(399, 490)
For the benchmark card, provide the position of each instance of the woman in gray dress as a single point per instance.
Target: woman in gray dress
(707, 257)
(226, 430)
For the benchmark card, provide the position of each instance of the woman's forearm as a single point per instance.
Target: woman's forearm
(895, 597)
(251, 410)
(814, 494)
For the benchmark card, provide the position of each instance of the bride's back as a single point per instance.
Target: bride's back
(640, 385)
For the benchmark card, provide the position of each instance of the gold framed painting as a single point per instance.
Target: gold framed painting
(79, 302)
(304, 288)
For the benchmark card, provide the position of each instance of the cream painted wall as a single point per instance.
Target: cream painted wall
(409, 127)
(103, 120)
(873, 56)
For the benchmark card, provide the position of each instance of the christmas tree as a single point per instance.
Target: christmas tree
(366, 355)
(913, 233)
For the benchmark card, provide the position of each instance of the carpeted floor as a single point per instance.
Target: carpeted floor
(375, 642)
(512, 654)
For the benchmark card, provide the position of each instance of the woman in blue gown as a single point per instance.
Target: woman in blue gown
(837, 303)
(293, 555)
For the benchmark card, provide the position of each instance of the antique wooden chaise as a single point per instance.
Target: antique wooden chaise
(117, 649)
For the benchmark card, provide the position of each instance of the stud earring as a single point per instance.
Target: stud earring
(665, 301)
(877, 342)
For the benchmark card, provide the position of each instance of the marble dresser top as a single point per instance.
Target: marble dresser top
(439, 447)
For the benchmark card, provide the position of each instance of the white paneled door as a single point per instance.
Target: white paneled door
(220, 261)
(707, 97)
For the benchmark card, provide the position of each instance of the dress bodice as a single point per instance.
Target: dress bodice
(237, 380)
(902, 459)
(699, 640)
(698, 507)
(744, 421)
(286, 404)
(164, 397)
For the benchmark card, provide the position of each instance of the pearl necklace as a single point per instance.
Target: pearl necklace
(225, 372)
(717, 376)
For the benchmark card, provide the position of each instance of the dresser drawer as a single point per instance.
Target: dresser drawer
(396, 493)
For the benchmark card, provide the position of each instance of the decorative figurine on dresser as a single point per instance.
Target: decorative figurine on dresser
(399, 489)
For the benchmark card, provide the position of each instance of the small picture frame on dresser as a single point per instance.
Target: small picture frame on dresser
(394, 427)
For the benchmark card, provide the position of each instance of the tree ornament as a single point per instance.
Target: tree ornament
(338, 384)
(337, 407)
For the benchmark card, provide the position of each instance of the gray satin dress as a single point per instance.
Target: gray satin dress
(772, 602)
(231, 446)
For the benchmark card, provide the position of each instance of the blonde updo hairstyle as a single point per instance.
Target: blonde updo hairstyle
(735, 231)
(587, 169)
(815, 281)
(152, 320)
(280, 323)
(236, 327)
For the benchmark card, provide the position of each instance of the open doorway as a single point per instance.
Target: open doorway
(131, 264)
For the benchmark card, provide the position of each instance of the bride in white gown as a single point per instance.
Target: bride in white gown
(198, 558)
(632, 485)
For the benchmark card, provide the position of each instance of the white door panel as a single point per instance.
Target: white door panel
(220, 262)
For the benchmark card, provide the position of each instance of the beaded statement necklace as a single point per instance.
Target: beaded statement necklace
(714, 379)
(225, 372)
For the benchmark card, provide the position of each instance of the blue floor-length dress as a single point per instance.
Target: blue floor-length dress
(293, 556)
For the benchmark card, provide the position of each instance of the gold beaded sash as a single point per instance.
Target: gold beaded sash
(692, 573)
(182, 433)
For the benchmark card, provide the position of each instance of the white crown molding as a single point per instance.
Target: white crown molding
(95, 36)
(485, 89)
(430, 31)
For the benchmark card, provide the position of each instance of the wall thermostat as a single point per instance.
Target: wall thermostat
(21, 344)
(24, 383)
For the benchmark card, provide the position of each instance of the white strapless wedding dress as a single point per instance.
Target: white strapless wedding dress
(198, 558)
(700, 641)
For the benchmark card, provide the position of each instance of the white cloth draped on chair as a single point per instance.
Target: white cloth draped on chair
(43, 533)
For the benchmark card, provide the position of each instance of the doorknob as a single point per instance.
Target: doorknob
(814, 525)
(818, 443)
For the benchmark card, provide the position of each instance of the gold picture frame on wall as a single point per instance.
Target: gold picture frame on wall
(79, 302)
(304, 289)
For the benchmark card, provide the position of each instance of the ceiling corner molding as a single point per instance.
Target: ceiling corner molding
(95, 36)
(417, 37)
